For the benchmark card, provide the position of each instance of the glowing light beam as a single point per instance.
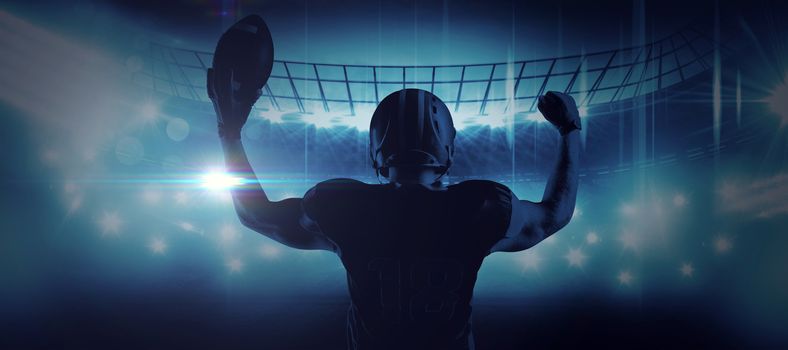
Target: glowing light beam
(575, 257)
(625, 278)
(778, 100)
(220, 181)
(110, 223)
(157, 245)
(722, 244)
(530, 260)
(592, 238)
(235, 265)
(687, 270)
(269, 251)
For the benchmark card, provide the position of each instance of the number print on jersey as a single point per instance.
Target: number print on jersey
(388, 271)
(436, 282)
(434, 285)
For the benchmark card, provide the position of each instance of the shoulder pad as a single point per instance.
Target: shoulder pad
(481, 185)
(339, 183)
(329, 196)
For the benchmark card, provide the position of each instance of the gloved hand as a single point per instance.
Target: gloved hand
(560, 110)
(231, 102)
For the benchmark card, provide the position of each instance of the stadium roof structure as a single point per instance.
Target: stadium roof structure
(476, 93)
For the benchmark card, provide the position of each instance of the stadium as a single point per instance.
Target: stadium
(119, 229)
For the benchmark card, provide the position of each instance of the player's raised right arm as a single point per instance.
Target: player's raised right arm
(532, 222)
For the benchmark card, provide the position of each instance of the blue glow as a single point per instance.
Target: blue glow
(220, 181)
(778, 100)
(113, 198)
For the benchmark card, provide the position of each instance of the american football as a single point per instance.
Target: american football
(248, 50)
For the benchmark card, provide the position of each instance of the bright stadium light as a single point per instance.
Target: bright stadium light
(228, 234)
(181, 198)
(270, 252)
(187, 226)
(110, 223)
(535, 117)
(778, 100)
(220, 181)
(530, 260)
(272, 116)
(157, 245)
(679, 200)
(592, 238)
(149, 111)
(628, 209)
(629, 240)
(151, 196)
(323, 120)
(625, 278)
(575, 257)
(582, 111)
(722, 244)
(686, 269)
(75, 204)
(497, 120)
(235, 265)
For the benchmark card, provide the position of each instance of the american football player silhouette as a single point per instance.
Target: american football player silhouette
(411, 246)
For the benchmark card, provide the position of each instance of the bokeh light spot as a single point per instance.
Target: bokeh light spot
(177, 129)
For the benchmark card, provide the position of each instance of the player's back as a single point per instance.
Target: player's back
(411, 254)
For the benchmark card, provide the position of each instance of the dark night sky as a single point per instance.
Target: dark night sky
(392, 32)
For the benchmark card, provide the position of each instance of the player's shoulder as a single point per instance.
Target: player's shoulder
(330, 197)
(332, 187)
(484, 188)
(488, 206)
(340, 184)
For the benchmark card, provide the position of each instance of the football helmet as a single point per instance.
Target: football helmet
(411, 128)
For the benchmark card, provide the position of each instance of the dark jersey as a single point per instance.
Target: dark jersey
(411, 255)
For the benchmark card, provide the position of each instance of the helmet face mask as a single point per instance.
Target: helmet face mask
(412, 130)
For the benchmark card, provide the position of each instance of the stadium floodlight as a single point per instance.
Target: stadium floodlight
(778, 100)
(157, 245)
(149, 111)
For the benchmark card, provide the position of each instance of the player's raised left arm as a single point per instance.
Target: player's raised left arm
(532, 222)
(242, 64)
(283, 221)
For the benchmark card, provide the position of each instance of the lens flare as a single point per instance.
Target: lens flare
(625, 278)
(157, 245)
(149, 112)
(778, 100)
(220, 181)
(575, 257)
